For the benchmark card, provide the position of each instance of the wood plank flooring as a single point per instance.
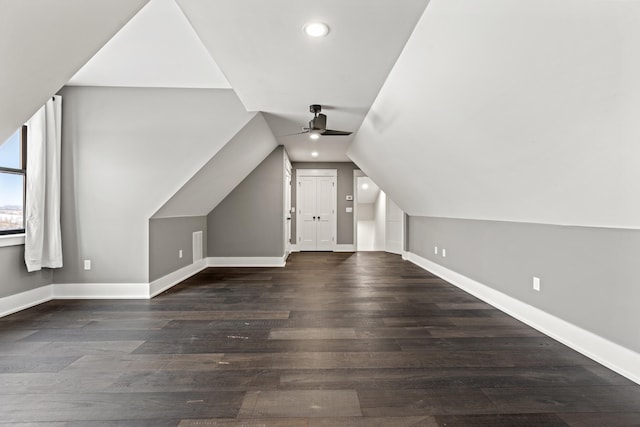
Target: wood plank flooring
(332, 339)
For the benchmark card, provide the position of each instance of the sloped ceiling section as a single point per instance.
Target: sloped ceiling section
(220, 175)
(43, 43)
(157, 48)
(518, 111)
(275, 68)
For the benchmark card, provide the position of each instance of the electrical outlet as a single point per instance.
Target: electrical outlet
(444, 253)
(87, 264)
(180, 253)
(435, 250)
(536, 284)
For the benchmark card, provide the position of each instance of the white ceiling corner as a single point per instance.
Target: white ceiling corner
(157, 48)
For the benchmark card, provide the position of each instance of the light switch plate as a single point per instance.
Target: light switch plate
(350, 198)
(349, 209)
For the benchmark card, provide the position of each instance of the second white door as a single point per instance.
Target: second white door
(316, 213)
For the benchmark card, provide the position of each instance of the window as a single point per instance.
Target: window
(13, 165)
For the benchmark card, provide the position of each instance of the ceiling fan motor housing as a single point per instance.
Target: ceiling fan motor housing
(318, 123)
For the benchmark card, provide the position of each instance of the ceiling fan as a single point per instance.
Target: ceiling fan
(318, 125)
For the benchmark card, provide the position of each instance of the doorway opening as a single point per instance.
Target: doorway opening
(379, 222)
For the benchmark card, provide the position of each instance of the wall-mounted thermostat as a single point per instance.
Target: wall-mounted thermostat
(350, 198)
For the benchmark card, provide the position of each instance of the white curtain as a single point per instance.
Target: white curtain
(43, 242)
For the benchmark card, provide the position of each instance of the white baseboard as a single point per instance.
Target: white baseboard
(344, 248)
(18, 302)
(620, 359)
(27, 299)
(336, 248)
(162, 284)
(101, 290)
(247, 261)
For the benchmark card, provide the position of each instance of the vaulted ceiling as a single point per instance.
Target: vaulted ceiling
(519, 111)
(43, 43)
(158, 47)
(259, 50)
(513, 110)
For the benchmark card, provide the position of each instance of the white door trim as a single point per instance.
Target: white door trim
(394, 247)
(356, 173)
(288, 182)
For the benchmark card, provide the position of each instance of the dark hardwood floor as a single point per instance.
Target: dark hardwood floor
(332, 339)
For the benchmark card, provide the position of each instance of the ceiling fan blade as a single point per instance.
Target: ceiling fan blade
(297, 133)
(330, 132)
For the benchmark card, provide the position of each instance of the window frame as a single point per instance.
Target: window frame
(23, 172)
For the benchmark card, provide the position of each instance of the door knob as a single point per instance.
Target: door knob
(314, 218)
(318, 218)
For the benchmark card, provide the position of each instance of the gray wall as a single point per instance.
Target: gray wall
(14, 277)
(249, 221)
(589, 276)
(167, 236)
(125, 152)
(345, 187)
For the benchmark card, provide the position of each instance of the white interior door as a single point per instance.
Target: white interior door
(324, 213)
(316, 218)
(307, 213)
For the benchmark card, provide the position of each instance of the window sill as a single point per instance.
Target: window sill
(11, 240)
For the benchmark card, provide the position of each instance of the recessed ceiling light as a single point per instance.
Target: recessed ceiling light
(314, 154)
(316, 29)
(365, 186)
(314, 135)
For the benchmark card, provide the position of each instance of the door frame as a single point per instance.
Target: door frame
(359, 173)
(386, 225)
(287, 203)
(334, 217)
(356, 173)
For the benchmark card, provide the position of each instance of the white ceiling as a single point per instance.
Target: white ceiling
(259, 49)
(157, 48)
(275, 68)
(43, 43)
(515, 111)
